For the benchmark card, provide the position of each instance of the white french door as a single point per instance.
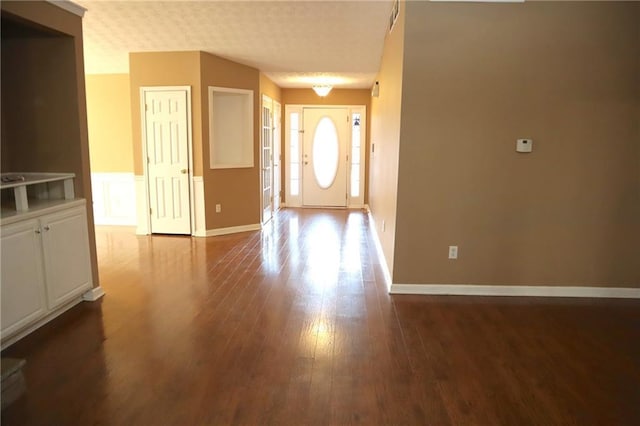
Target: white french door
(277, 156)
(267, 159)
(324, 157)
(270, 157)
(166, 122)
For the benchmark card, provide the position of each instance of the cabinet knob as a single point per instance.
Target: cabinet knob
(37, 231)
(46, 228)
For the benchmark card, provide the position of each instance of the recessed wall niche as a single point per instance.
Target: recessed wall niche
(230, 128)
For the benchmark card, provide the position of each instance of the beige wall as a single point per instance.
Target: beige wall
(109, 120)
(269, 88)
(335, 97)
(44, 102)
(476, 78)
(165, 69)
(237, 190)
(385, 140)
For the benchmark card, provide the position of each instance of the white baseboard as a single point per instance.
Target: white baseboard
(229, 230)
(383, 260)
(199, 217)
(516, 290)
(93, 294)
(114, 198)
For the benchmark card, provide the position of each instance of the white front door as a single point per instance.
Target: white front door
(166, 134)
(324, 157)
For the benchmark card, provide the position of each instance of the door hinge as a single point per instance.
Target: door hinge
(150, 211)
(148, 160)
(146, 107)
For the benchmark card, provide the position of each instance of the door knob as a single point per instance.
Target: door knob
(183, 171)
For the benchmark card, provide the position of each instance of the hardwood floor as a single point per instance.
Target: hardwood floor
(294, 326)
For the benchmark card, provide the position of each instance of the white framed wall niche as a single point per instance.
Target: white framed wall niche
(230, 128)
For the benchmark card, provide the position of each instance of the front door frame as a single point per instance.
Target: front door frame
(144, 217)
(295, 200)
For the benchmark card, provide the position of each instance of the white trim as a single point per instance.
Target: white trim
(231, 230)
(144, 218)
(247, 134)
(353, 202)
(296, 201)
(358, 207)
(69, 6)
(292, 200)
(515, 290)
(199, 214)
(93, 295)
(142, 206)
(114, 198)
(383, 260)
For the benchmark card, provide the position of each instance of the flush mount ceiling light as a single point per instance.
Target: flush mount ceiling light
(322, 90)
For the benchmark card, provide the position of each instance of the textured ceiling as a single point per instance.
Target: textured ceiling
(295, 43)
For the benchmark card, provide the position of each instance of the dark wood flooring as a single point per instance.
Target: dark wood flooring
(294, 326)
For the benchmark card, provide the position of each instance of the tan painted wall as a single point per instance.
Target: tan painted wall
(237, 190)
(109, 120)
(45, 129)
(269, 88)
(335, 97)
(385, 138)
(165, 69)
(476, 78)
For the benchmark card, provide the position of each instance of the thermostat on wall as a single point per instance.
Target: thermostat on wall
(524, 145)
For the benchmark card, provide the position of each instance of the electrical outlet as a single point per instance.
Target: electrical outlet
(218, 208)
(453, 252)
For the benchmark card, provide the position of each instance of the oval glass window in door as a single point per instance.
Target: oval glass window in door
(326, 152)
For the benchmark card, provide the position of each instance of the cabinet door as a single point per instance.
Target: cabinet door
(66, 255)
(22, 284)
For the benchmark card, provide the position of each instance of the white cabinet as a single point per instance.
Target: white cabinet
(44, 246)
(65, 244)
(22, 279)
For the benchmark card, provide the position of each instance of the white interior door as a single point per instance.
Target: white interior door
(166, 133)
(324, 159)
(277, 157)
(267, 159)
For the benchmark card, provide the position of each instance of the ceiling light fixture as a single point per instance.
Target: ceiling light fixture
(322, 90)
